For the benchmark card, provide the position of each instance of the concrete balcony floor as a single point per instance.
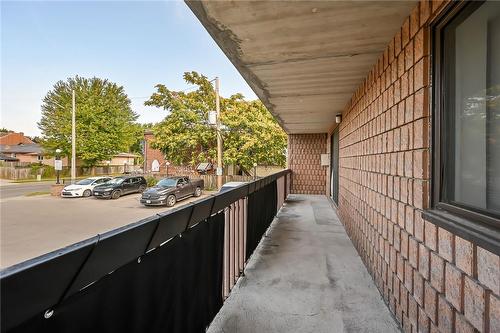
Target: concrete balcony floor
(305, 276)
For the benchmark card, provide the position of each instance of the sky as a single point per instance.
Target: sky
(136, 44)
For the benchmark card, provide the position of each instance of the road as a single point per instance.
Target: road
(32, 226)
(11, 190)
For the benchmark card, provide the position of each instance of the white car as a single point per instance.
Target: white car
(84, 187)
(230, 185)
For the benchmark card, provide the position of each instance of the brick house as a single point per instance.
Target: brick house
(18, 147)
(13, 138)
(417, 190)
(155, 162)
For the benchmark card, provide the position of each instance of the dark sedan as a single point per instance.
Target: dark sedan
(119, 186)
(170, 190)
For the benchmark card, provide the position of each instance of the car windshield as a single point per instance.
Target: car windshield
(85, 182)
(114, 181)
(167, 182)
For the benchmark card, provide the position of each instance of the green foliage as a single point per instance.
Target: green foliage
(104, 120)
(151, 181)
(35, 139)
(46, 171)
(136, 147)
(250, 133)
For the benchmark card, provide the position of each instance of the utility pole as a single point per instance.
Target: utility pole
(73, 141)
(219, 135)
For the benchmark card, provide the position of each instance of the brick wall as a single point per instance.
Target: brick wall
(152, 154)
(304, 159)
(431, 279)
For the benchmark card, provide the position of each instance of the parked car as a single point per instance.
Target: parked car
(83, 188)
(119, 186)
(230, 185)
(170, 190)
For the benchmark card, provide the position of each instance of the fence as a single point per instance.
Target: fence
(170, 272)
(22, 170)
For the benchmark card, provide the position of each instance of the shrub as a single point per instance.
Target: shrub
(151, 180)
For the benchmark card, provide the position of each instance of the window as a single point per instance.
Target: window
(466, 177)
(39, 157)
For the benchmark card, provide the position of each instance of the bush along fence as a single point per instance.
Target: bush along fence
(22, 171)
(167, 273)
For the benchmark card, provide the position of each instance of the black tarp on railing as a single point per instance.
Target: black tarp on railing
(261, 212)
(161, 274)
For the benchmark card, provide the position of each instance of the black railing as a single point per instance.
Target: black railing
(170, 272)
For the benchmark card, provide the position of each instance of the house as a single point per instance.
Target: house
(13, 138)
(19, 148)
(155, 162)
(22, 152)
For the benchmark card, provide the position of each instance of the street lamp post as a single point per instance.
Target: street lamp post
(219, 134)
(254, 171)
(73, 134)
(57, 165)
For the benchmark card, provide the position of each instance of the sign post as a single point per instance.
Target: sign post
(58, 167)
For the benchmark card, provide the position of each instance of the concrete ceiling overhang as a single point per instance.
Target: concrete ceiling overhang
(303, 59)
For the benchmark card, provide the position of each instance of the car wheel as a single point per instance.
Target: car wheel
(142, 188)
(115, 195)
(197, 192)
(87, 193)
(171, 200)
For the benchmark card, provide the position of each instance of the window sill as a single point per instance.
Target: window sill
(483, 235)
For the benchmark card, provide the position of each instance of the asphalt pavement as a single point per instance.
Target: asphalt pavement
(33, 226)
(11, 190)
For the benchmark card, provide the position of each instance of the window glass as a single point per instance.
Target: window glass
(167, 182)
(85, 182)
(471, 112)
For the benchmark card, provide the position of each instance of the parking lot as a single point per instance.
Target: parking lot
(32, 226)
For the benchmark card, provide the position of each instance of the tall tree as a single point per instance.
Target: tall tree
(104, 119)
(250, 133)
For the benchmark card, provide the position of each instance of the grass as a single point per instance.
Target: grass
(32, 194)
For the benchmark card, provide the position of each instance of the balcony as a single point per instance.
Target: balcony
(305, 276)
(173, 272)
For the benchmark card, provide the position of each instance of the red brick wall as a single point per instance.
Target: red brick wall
(152, 154)
(304, 159)
(431, 279)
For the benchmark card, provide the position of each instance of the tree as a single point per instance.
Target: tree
(35, 139)
(250, 133)
(104, 119)
(4, 130)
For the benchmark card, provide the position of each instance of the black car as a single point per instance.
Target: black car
(119, 186)
(170, 190)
